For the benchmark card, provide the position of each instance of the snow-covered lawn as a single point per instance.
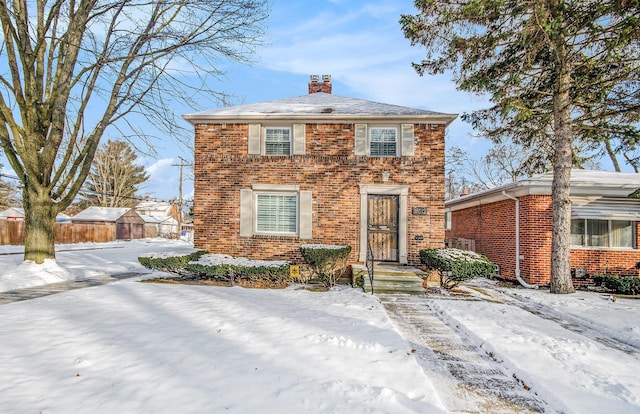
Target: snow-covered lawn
(131, 347)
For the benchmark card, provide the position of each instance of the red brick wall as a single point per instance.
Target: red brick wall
(492, 226)
(620, 262)
(330, 170)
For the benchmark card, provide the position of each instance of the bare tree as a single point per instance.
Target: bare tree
(7, 192)
(115, 176)
(76, 67)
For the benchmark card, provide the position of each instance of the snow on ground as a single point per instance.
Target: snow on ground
(81, 260)
(572, 371)
(134, 347)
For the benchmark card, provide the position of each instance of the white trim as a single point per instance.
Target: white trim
(275, 187)
(293, 194)
(400, 190)
(264, 140)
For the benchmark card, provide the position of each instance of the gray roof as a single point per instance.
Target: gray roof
(584, 183)
(318, 106)
(100, 214)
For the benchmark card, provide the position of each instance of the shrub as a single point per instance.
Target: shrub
(240, 270)
(623, 285)
(168, 263)
(456, 266)
(327, 262)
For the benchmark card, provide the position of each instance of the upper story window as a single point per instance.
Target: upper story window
(277, 141)
(602, 233)
(383, 142)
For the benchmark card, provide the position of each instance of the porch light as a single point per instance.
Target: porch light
(385, 176)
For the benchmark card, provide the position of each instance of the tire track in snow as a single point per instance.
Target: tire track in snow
(469, 380)
(569, 323)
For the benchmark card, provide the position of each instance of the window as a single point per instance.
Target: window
(277, 141)
(276, 209)
(276, 213)
(383, 141)
(602, 233)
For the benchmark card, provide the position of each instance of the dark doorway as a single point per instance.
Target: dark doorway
(382, 218)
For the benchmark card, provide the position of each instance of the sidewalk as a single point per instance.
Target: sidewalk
(54, 288)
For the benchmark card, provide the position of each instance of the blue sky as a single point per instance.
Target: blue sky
(359, 43)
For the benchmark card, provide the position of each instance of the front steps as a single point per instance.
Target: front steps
(391, 278)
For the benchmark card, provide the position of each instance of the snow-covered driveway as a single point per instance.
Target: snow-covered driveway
(512, 350)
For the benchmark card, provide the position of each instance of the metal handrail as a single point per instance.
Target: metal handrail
(370, 263)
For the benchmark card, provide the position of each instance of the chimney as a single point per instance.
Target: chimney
(315, 86)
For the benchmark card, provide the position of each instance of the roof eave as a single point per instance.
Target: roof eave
(196, 119)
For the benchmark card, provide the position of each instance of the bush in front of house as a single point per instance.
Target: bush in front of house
(221, 268)
(622, 285)
(327, 262)
(169, 262)
(456, 266)
(240, 270)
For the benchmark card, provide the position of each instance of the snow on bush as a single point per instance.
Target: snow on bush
(455, 265)
(327, 262)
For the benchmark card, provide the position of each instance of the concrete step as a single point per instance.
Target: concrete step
(392, 279)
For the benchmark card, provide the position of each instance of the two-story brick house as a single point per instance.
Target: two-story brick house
(319, 168)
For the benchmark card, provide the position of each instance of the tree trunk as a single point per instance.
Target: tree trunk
(612, 154)
(39, 225)
(562, 162)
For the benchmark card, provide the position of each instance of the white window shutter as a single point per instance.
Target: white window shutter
(361, 146)
(299, 139)
(306, 214)
(254, 139)
(246, 213)
(408, 140)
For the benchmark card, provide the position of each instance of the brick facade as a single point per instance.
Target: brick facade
(330, 170)
(492, 226)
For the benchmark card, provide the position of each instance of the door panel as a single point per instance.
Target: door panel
(383, 227)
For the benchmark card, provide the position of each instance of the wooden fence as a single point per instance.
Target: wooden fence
(12, 232)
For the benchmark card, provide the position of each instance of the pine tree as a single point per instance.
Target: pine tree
(115, 177)
(556, 72)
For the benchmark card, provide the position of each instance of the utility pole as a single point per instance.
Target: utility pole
(183, 163)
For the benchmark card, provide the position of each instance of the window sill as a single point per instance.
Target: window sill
(616, 249)
(275, 236)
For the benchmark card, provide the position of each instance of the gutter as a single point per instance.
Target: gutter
(518, 278)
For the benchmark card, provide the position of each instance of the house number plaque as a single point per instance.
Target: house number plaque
(419, 211)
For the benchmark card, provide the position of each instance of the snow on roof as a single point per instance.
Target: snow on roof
(19, 212)
(12, 212)
(101, 214)
(583, 183)
(151, 219)
(317, 105)
(153, 205)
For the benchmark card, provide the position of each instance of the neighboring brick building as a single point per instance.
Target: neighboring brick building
(605, 226)
(319, 168)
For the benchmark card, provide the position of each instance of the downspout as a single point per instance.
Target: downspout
(518, 278)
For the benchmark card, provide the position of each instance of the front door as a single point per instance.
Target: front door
(383, 227)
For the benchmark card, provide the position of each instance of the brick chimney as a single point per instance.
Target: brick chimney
(315, 86)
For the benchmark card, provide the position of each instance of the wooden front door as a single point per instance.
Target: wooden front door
(383, 227)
